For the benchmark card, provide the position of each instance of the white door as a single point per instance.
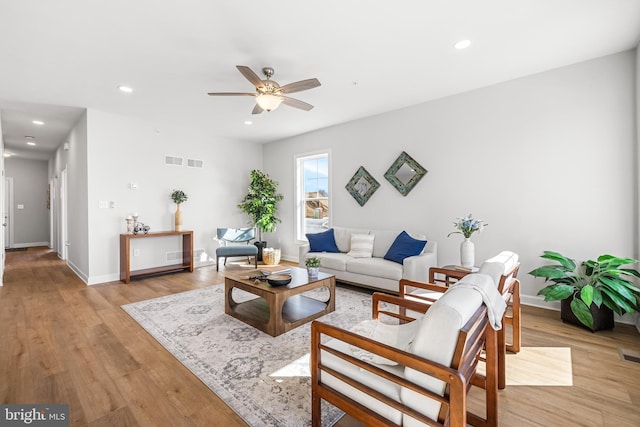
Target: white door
(7, 212)
(64, 239)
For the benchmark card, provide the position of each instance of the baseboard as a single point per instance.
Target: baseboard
(30, 245)
(538, 301)
(78, 272)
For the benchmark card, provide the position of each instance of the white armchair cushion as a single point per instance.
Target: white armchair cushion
(398, 336)
(361, 245)
(388, 388)
(498, 265)
(436, 340)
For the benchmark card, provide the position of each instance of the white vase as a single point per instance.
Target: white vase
(467, 253)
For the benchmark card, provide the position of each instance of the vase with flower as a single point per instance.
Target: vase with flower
(467, 226)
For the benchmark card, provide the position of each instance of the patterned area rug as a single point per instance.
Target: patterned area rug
(265, 380)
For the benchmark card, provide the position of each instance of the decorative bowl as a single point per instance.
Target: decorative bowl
(279, 279)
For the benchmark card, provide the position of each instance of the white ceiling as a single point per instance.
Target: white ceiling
(373, 56)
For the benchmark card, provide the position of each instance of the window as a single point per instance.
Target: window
(313, 199)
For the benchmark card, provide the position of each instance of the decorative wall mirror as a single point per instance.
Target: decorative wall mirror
(405, 173)
(362, 186)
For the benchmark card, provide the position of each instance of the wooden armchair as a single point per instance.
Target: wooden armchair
(504, 270)
(425, 383)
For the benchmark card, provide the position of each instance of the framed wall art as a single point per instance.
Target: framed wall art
(405, 173)
(362, 186)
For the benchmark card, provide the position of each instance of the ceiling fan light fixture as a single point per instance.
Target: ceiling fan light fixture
(268, 102)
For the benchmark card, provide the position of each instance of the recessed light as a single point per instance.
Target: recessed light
(248, 122)
(126, 89)
(38, 122)
(462, 44)
(31, 143)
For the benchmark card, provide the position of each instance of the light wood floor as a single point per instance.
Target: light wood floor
(64, 342)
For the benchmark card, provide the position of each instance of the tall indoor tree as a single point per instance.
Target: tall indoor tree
(260, 204)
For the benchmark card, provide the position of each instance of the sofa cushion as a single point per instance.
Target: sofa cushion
(361, 245)
(333, 260)
(322, 242)
(404, 246)
(377, 267)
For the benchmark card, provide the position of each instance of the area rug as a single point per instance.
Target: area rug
(265, 380)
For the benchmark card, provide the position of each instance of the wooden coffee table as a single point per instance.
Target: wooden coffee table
(278, 309)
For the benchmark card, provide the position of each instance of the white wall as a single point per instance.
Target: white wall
(547, 160)
(123, 150)
(31, 223)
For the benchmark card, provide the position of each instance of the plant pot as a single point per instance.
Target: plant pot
(260, 245)
(313, 271)
(602, 316)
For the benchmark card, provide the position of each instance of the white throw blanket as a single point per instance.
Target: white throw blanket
(484, 284)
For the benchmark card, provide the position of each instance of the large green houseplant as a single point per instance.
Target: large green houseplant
(260, 204)
(589, 286)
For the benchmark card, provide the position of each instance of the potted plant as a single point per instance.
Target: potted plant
(313, 265)
(592, 291)
(260, 205)
(178, 197)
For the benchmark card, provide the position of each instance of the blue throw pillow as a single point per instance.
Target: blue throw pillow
(404, 246)
(322, 242)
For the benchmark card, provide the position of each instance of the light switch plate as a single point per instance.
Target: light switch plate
(103, 204)
(20, 206)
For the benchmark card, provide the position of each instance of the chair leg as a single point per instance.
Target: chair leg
(502, 359)
(517, 312)
(217, 263)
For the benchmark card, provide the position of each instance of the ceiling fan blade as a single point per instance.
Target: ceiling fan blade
(296, 103)
(299, 86)
(257, 109)
(230, 94)
(251, 76)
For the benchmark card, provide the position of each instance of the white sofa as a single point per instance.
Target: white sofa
(374, 272)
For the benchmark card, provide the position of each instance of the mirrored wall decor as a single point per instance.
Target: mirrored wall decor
(362, 186)
(405, 173)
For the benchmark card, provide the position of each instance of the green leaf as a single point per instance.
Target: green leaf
(597, 297)
(581, 310)
(568, 263)
(615, 286)
(550, 272)
(556, 292)
(586, 295)
(620, 303)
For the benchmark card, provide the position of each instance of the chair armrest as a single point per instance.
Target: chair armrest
(404, 284)
(303, 249)
(417, 267)
(402, 303)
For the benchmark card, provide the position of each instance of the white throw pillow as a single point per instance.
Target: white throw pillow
(361, 245)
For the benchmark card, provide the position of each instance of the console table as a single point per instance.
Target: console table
(125, 254)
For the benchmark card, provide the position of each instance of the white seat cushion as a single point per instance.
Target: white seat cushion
(385, 387)
(376, 267)
(335, 261)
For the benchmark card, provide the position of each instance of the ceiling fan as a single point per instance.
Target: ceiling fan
(269, 94)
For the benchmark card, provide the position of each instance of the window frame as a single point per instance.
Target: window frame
(300, 198)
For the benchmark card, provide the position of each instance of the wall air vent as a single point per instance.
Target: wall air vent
(177, 256)
(195, 163)
(173, 160)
